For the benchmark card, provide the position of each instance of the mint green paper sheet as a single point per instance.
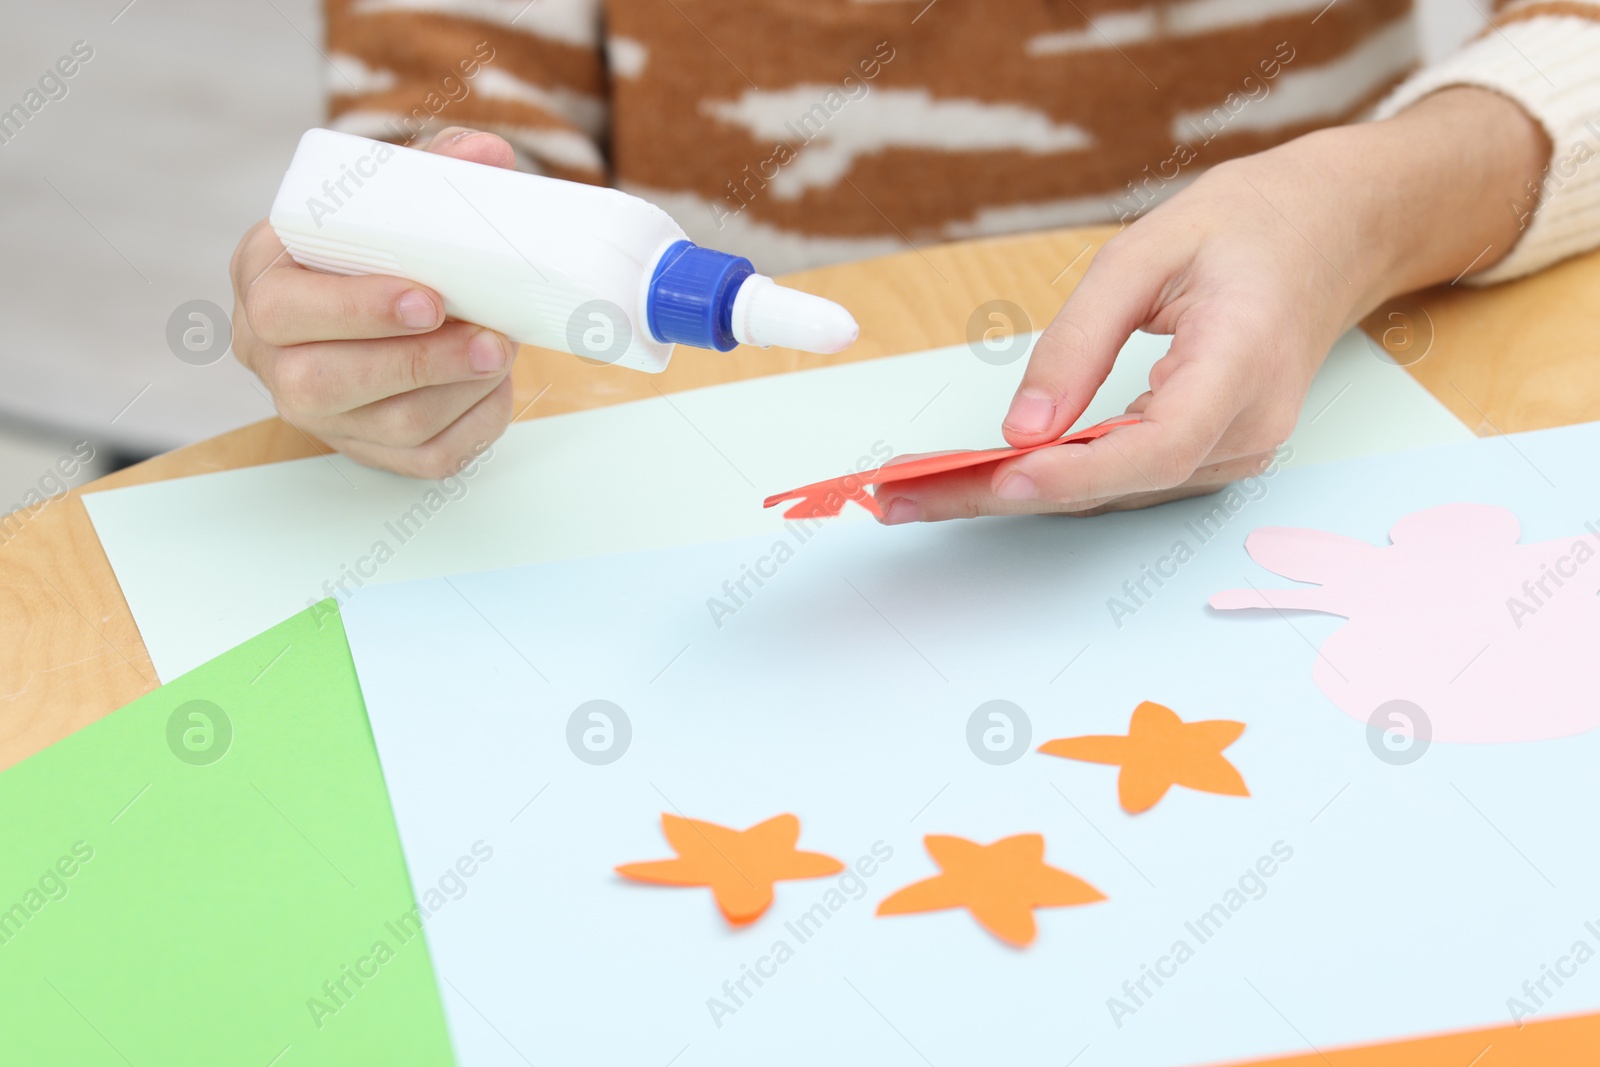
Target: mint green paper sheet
(207, 561)
(183, 901)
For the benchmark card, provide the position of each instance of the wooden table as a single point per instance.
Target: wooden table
(1518, 357)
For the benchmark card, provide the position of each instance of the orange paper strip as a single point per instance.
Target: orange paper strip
(1565, 1042)
(1159, 752)
(739, 866)
(827, 498)
(1000, 884)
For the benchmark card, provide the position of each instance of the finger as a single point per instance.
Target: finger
(1177, 434)
(959, 494)
(1076, 351)
(475, 146)
(289, 305)
(1210, 478)
(447, 452)
(318, 381)
(969, 493)
(406, 421)
(297, 305)
(259, 251)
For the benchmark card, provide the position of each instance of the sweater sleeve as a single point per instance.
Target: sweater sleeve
(1545, 55)
(532, 72)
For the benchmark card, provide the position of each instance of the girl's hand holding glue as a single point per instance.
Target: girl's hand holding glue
(382, 300)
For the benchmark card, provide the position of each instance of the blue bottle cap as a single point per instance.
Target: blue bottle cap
(691, 296)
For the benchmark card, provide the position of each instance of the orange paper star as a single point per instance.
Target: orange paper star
(1000, 884)
(1159, 752)
(739, 866)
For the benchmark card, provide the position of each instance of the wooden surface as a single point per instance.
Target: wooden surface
(1517, 357)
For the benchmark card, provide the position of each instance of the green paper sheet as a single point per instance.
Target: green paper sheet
(178, 885)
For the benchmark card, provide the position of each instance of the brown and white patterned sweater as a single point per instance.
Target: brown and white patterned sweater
(802, 132)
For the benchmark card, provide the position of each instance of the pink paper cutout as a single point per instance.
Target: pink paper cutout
(1494, 640)
(827, 498)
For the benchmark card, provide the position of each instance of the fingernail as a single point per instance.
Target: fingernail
(1030, 413)
(1017, 486)
(486, 352)
(462, 135)
(417, 311)
(901, 510)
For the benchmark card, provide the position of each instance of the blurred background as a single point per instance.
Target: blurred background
(123, 198)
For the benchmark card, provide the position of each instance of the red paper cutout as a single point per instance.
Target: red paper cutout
(827, 498)
(739, 866)
(1159, 752)
(999, 884)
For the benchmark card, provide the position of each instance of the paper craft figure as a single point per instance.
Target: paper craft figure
(739, 866)
(1000, 884)
(827, 498)
(1159, 752)
(1491, 639)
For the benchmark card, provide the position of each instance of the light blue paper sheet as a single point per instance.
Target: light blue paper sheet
(1415, 898)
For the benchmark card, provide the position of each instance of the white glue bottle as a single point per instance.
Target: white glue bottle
(558, 264)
